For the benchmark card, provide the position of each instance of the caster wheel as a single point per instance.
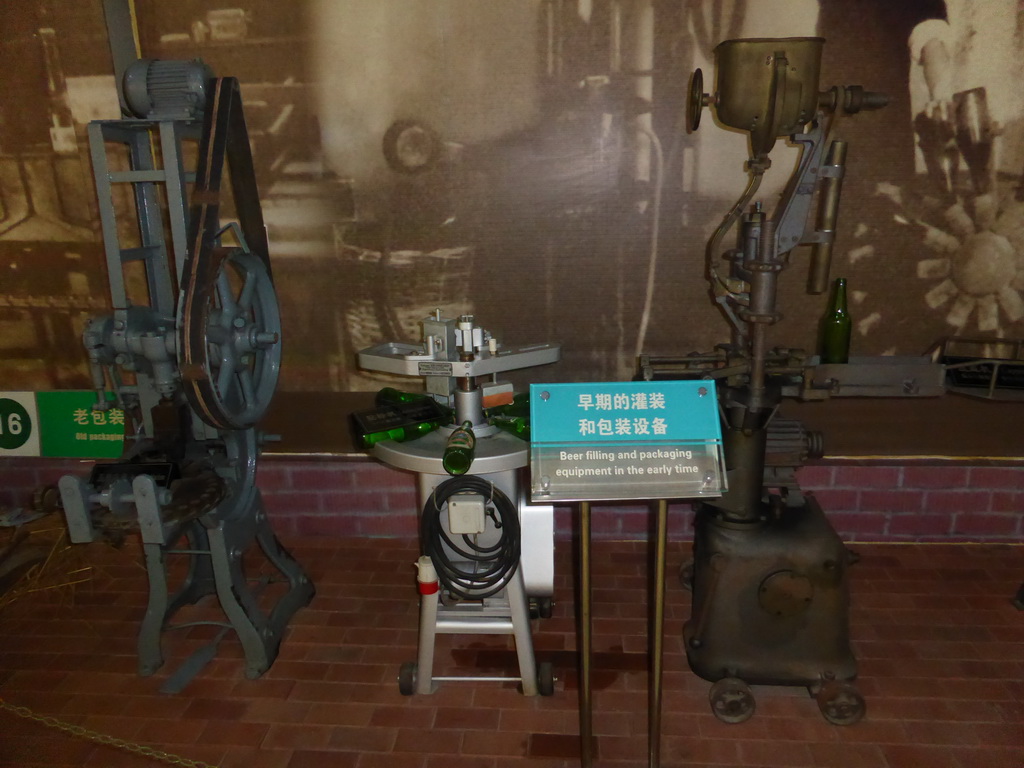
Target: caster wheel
(545, 606)
(546, 678)
(840, 703)
(731, 700)
(407, 678)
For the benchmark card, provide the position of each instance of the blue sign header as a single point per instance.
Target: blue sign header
(624, 412)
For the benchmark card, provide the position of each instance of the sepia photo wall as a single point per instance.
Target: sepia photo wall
(528, 162)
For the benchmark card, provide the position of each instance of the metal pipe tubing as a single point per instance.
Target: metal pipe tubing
(758, 344)
(764, 272)
(519, 608)
(657, 641)
(428, 634)
(586, 700)
(475, 679)
(474, 625)
(828, 213)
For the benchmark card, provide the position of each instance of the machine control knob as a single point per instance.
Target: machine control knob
(697, 100)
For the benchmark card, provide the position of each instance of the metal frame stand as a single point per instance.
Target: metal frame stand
(506, 614)
(499, 459)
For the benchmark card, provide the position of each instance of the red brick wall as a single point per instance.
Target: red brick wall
(865, 503)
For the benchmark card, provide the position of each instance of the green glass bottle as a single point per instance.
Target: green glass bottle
(399, 420)
(514, 425)
(400, 434)
(458, 451)
(389, 395)
(836, 327)
(513, 417)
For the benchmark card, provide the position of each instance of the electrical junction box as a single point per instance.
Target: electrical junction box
(466, 513)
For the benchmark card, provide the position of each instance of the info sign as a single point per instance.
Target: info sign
(625, 440)
(59, 424)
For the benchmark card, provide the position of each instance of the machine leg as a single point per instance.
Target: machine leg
(198, 583)
(152, 627)
(238, 601)
(520, 610)
(300, 587)
(428, 634)
(259, 632)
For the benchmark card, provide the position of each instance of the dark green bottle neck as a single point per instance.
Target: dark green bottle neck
(838, 305)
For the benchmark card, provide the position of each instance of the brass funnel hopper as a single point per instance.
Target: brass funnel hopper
(766, 86)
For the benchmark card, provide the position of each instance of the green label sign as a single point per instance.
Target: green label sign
(70, 427)
(59, 425)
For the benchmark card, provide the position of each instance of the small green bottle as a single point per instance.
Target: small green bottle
(514, 425)
(836, 327)
(400, 434)
(389, 395)
(458, 451)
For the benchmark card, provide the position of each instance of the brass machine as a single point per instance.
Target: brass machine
(769, 576)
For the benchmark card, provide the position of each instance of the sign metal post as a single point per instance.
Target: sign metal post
(624, 441)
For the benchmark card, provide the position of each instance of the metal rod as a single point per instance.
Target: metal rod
(828, 213)
(427, 638)
(518, 606)
(475, 679)
(657, 638)
(586, 702)
(758, 344)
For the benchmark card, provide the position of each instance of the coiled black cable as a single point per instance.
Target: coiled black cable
(493, 566)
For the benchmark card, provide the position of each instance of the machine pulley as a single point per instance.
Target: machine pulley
(229, 325)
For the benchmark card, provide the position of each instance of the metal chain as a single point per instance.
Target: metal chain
(102, 738)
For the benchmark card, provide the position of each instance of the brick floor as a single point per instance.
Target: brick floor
(941, 650)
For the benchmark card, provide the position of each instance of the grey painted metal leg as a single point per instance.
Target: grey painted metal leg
(657, 638)
(260, 633)
(520, 610)
(152, 627)
(300, 587)
(198, 583)
(586, 701)
(74, 495)
(237, 600)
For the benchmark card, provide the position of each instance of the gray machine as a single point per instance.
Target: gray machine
(192, 353)
(491, 550)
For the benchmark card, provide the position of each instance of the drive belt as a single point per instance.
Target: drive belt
(224, 138)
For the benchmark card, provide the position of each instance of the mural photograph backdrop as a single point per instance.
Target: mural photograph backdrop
(528, 162)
